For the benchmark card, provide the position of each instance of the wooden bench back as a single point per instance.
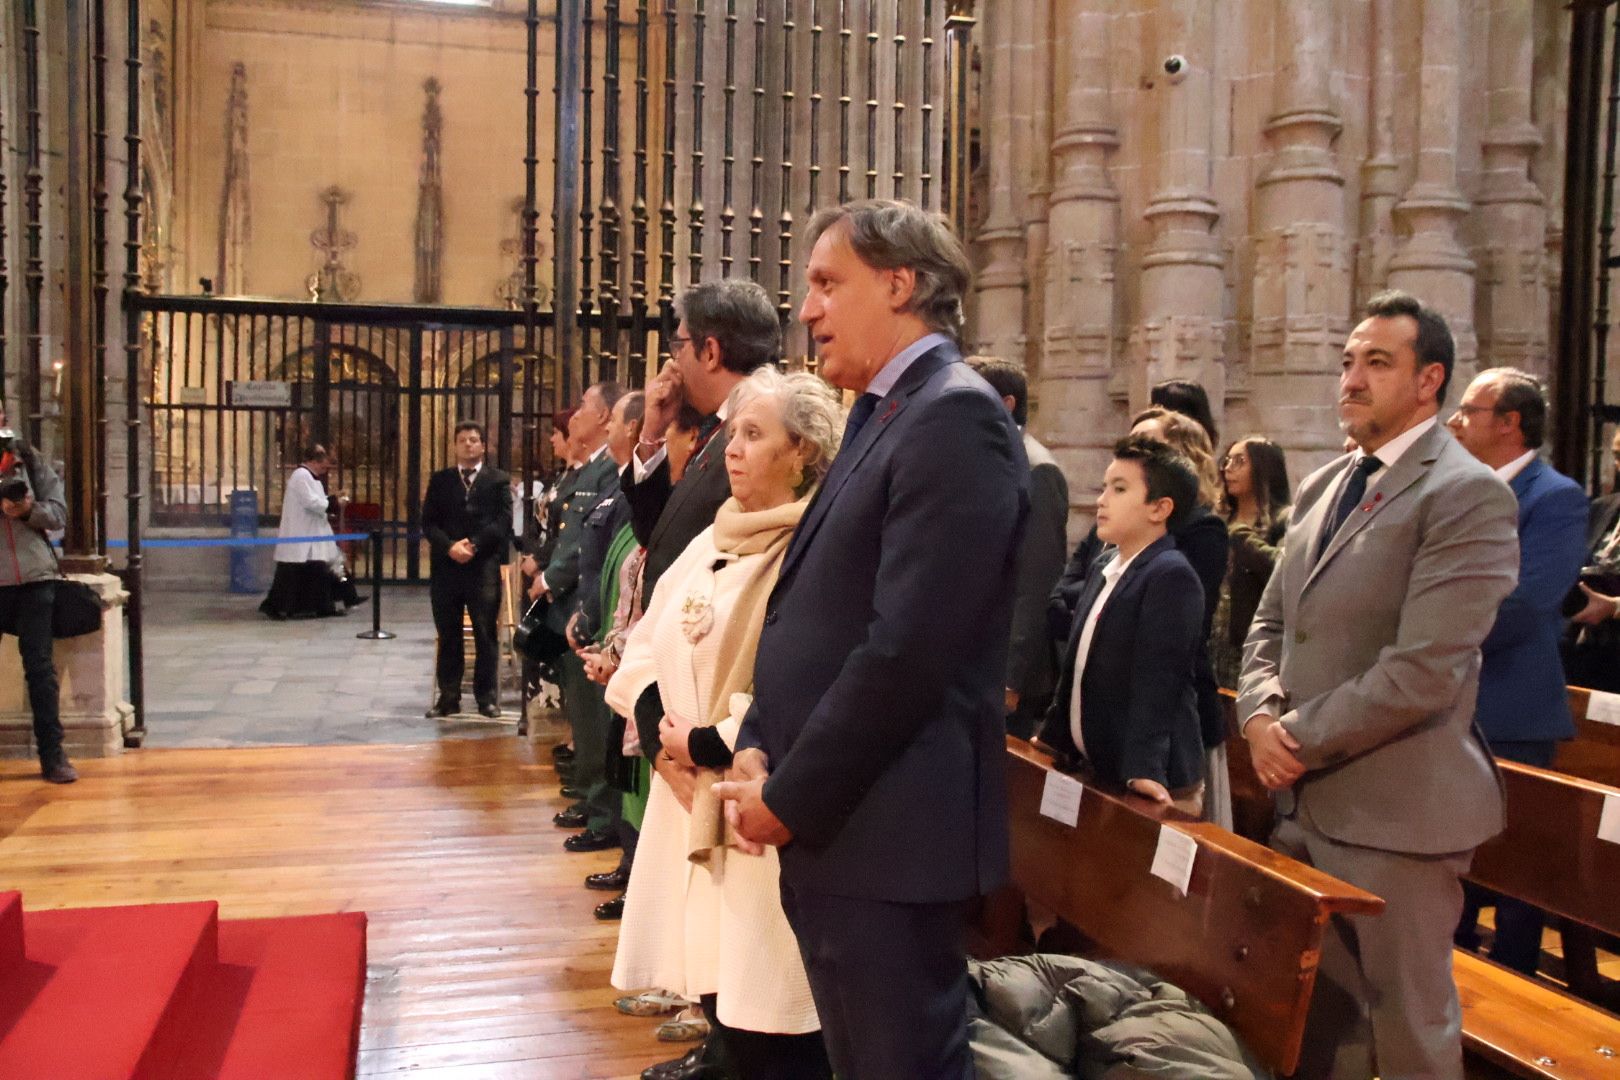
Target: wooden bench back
(1550, 854)
(1594, 752)
(1246, 938)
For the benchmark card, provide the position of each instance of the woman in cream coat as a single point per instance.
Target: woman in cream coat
(702, 916)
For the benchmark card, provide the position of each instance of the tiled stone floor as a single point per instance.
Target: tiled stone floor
(220, 674)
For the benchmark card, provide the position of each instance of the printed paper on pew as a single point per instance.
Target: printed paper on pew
(1609, 823)
(1603, 707)
(1060, 798)
(1173, 858)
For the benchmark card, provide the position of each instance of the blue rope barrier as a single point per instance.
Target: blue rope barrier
(231, 541)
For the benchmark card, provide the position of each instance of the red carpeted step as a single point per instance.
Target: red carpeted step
(95, 986)
(11, 930)
(283, 1002)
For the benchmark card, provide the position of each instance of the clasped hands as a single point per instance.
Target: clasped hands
(742, 790)
(1273, 750)
(462, 551)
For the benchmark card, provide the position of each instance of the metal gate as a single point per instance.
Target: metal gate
(240, 387)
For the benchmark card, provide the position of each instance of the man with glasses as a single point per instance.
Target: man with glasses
(1523, 707)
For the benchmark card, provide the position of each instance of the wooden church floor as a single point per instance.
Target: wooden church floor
(484, 958)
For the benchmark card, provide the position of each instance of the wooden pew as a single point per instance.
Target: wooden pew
(1550, 856)
(1594, 752)
(1246, 938)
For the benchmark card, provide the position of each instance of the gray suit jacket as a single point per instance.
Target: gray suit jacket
(1371, 654)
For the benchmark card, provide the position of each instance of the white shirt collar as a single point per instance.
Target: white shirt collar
(1116, 566)
(890, 373)
(1396, 448)
(598, 452)
(1516, 466)
(476, 469)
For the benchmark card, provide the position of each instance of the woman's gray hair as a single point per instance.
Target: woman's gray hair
(889, 234)
(810, 410)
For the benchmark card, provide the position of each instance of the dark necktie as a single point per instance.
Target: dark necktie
(467, 478)
(1354, 488)
(859, 414)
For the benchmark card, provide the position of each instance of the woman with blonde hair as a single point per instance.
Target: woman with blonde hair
(703, 915)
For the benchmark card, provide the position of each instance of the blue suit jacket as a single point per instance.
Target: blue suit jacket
(1522, 696)
(878, 683)
(1139, 702)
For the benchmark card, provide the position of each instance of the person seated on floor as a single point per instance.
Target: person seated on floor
(1126, 701)
(311, 576)
(703, 915)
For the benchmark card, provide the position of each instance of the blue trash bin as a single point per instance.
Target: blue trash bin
(244, 524)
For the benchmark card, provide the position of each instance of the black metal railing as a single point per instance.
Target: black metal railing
(241, 386)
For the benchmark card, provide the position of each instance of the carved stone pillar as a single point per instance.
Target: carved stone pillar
(1429, 261)
(1513, 303)
(1380, 181)
(1076, 419)
(1302, 266)
(1034, 86)
(1001, 282)
(90, 670)
(1180, 332)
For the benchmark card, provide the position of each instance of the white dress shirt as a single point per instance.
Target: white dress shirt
(1111, 574)
(890, 373)
(1395, 449)
(1515, 467)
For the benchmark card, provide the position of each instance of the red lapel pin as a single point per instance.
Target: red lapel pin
(894, 407)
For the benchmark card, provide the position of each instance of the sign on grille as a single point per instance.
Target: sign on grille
(260, 394)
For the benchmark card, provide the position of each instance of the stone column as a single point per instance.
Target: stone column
(90, 669)
(1180, 332)
(999, 295)
(1035, 86)
(1302, 266)
(1429, 261)
(1076, 419)
(1380, 181)
(1513, 302)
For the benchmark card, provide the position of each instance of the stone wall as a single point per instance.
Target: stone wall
(1224, 221)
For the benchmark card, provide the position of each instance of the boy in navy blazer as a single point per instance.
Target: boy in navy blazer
(1125, 701)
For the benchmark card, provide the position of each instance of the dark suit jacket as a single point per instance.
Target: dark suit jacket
(1202, 539)
(1605, 509)
(1522, 696)
(483, 515)
(667, 518)
(1031, 659)
(1138, 698)
(878, 683)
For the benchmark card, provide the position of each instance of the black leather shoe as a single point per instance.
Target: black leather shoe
(610, 910)
(490, 709)
(59, 771)
(562, 752)
(442, 709)
(617, 878)
(572, 818)
(569, 791)
(689, 1066)
(591, 840)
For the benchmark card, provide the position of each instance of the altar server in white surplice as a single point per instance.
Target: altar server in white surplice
(311, 578)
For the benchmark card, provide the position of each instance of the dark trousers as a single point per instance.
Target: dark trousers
(475, 589)
(25, 610)
(1517, 943)
(890, 984)
(763, 1055)
(589, 718)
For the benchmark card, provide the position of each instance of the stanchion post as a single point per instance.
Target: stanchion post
(376, 633)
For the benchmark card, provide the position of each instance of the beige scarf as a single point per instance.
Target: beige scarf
(738, 533)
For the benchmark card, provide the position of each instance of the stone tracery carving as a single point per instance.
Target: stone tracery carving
(430, 203)
(333, 281)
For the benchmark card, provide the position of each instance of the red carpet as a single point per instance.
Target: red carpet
(169, 992)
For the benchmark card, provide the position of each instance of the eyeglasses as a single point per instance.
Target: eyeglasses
(1470, 410)
(1233, 459)
(678, 342)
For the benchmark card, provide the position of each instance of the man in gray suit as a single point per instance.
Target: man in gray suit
(1360, 677)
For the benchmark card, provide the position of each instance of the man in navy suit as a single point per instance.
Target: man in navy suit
(874, 752)
(1523, 706)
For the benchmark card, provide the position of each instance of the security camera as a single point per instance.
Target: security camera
(1175, 66)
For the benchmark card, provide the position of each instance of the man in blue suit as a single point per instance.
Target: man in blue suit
(873, 754)
(1523, 705)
